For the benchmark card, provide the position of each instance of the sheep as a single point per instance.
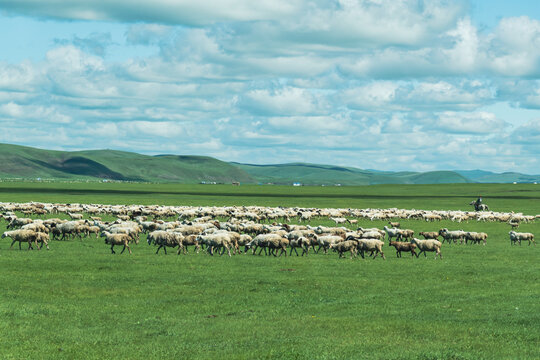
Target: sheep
(18, 222)
(27, 236)
(37, 227)
(476, 237)
(219, 241)
(428, 245)
(391, 232)
(325, 242)
(430, 234)
(300, 242)
(405, 234)
(394, 224)
(403, 246)
(43, 239)
(452, 235)
(372, 245)
(345, 246)
(74, 216)
(338, 220)
(518, 237)
(191, 240)
(117, 239)
(164, 239)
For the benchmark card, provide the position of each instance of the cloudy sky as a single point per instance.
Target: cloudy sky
(389, 85)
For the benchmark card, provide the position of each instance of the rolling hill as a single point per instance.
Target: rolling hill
(30, 163)
(22, 162)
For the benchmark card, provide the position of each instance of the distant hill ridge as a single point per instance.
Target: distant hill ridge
(32, 163)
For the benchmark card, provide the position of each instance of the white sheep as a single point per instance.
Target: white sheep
(371, 245)
(428, 245)
(518, 237)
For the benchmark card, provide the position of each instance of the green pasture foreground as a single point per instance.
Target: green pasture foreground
(79, 301)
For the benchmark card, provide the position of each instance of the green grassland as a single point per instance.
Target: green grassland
(79, 301)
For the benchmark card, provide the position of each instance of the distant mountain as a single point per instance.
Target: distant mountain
(313, 174)
(31, 163)
(481, 176)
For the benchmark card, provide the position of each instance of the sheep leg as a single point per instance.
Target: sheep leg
(159, 247)
(112, 249)
(165, 249)
(123, 249)
(14, 243)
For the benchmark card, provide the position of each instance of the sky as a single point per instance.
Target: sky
(375, 84)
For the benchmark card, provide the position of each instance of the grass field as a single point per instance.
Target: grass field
(79, 301)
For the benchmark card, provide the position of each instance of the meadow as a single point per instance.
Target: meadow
(79, 301)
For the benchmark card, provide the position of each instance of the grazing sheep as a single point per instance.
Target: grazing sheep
(518, 237)
(372, 245)
(428, 245)
(117, 239)
(403, 246)
(345, 246)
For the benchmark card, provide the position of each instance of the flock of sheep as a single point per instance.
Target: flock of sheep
(245, 229)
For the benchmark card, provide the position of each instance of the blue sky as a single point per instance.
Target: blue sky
(389, 85)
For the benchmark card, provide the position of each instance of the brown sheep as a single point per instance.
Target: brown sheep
(430, 234)
(403, 246)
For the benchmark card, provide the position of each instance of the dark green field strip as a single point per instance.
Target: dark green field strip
(260, 193)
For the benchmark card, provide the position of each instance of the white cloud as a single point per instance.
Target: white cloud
(481, 123)
(182, 12)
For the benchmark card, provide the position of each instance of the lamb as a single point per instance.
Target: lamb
(476, 237)
(345, 246)
(372, 245)
(430, 234)
(117, 239)
(191, 240)
(27, 236)
(394, 224)
(403, 246)
(428, 245)
(518, 237)
(43, 239)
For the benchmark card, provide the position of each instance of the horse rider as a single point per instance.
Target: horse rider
(478, 202)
